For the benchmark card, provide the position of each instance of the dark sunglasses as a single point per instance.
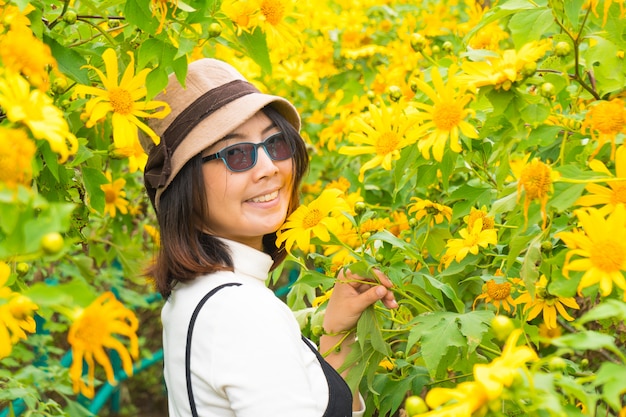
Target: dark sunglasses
(243, 156)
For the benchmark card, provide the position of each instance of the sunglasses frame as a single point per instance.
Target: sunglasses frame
(221, 154)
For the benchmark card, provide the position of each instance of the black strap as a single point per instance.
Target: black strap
(194, 316)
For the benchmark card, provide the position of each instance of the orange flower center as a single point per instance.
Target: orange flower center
(121, 100)
(619, 193)
(312, 219)
(447, 115)
(536, 180)
(273, 10)
(110, 195)
(387, 142)
(608, 255)
(609, 117)
(498, 291)
(92, 330)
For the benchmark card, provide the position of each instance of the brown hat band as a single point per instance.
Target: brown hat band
(159, 165)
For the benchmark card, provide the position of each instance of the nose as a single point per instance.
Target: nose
(265, 166)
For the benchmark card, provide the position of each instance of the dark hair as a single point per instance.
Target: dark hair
(185, 250)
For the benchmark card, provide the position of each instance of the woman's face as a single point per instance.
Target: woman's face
(245, 206)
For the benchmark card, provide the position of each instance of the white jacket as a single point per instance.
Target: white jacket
(247, 355)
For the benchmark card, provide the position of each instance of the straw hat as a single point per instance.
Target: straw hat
(216, 100)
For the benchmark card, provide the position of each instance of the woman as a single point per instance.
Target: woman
(222, 181)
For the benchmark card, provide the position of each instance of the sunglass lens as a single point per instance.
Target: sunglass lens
(278, 147)
(240, 157)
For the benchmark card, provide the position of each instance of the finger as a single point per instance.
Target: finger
(370, 296)
(389, 300)
(383, 279)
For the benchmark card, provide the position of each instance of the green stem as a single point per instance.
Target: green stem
(99, 29)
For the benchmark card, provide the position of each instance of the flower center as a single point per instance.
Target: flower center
(312, 219)
(610, 120)
(498, 291)
(387, 142)
(619, 193)
(121, 100)
(92, 330)
(447, 115)
(273, 10)
(608, 255)
(110, 196)
(536, 180)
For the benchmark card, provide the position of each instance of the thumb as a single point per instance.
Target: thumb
(370, 296)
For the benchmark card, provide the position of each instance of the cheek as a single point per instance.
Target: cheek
(215, 183)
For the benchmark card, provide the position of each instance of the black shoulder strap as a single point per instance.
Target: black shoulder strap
(192, 322)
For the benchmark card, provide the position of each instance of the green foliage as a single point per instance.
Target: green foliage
(333, 60)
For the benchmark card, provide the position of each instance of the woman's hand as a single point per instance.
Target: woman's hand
(351, 295)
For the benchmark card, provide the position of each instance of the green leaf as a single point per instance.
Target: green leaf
(368, 330)
(69, 61)
(535, 113)
(611, 378)
(93, 179)
(75, 292)
(531, 25)
(448, 292)
(529, 271)
(437, 332)
(565, 195)
(474, 325)
(138, 13)
(609, 308)
(255, 45)
(587, 340)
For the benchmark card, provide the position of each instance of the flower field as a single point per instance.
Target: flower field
(472, 150)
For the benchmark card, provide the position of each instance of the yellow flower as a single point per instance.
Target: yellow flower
(160, 9)
(23, 53)
(241, 13)
(94, 330)
(426, 208)
(500, 373)
(11, 16)
(475, 214)
(16, 314)
(114, 196)
(387, 364)
(315, 219)
(472, 237)
(497, 293)
(318, 301)
(502, 71)
(445, 118)
(137, 157)
(273, 20)
(461, 401)
(600, 250)
(153, 232)
(609, 197)
(16, 154)
(548, 333)
(388, 131)
(605, 120)
(535, 178)
(399, 222)
(488, 385)
(123, 100)
(547, 303)
(37, 111)
(593, 4)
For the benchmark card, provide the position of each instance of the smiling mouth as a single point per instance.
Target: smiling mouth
(264, 198)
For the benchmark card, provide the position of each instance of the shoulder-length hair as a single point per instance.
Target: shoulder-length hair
(187, 252)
